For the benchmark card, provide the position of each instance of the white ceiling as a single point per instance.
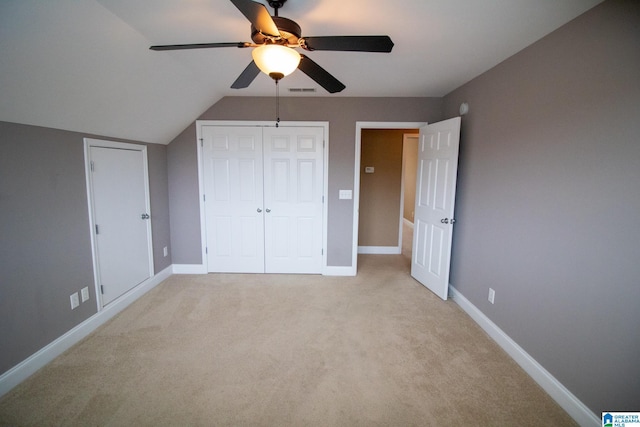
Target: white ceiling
(85, 65)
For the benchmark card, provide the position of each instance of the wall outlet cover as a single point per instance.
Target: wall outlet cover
(84, 293)
(75, 302)
(345, 194)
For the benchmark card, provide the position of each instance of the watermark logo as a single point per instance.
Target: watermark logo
(621, 419)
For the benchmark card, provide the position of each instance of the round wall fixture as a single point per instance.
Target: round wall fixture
(464, 108)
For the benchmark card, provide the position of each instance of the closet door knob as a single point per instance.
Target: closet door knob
(259, 210)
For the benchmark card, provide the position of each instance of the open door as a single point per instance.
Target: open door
(435, 197)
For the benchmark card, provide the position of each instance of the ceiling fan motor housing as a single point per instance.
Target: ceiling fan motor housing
(290, 32)
(276, 4)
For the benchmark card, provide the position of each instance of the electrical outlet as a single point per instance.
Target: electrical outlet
(492, 295)
(165, 251)
(75, 302)
(84, 294)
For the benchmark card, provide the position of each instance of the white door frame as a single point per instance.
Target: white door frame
(91, 142)
(356, 177)
(202, 269)
(405, 136)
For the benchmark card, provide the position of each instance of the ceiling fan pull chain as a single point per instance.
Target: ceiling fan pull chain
(277, 104)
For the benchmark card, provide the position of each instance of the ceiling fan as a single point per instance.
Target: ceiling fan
(275, 37)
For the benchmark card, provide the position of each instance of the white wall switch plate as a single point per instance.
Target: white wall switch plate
(84, 293)
(165, 251)
(74, 300)
(345, 195)
(492, 295)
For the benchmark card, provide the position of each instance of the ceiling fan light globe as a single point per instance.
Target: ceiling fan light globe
(276, 59)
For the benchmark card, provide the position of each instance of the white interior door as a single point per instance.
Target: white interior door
(233, 179)
(435, 197)
(120, 202)
(293, 190)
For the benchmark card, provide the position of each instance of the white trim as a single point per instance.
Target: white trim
(380, 250)
(408, 223)
(39, 359)
(325, 194)
(325, 200)
(189, 269)
(339, 271)
(570, 403)
(403, 220)
(356, 174)
(203, 216)
(88, 143)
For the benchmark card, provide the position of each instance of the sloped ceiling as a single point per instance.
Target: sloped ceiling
(86, 65)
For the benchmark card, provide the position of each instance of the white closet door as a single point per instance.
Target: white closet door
(293, 189)
(233, 172)
(120, 198)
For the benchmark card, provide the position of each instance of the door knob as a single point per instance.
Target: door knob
(445, 220)
(268, 210)
(259, 210)
(144, 216)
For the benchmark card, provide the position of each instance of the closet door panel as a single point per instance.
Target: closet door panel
(293, 179)
(233, 179)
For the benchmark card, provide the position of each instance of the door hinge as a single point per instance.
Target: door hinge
(102, 289)
(206, 250)
(92, 166)
(204, 197)
(97, 229)
(322, 251)
(201, 142)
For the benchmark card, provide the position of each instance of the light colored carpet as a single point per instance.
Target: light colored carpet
(286, 350)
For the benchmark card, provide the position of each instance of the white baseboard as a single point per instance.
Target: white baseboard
(407, 223)
(189, 269)
(570, 403)
(30, 365)
(202, 269)
(339, 271)
(380, 250)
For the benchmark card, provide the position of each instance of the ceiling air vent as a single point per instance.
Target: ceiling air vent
(302, 89)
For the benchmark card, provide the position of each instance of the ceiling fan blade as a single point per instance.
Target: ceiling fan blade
(246, 77)
(349, 43)
(258, 15)
(199, 46)
(320, 75)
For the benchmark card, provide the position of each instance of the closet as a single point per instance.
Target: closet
(263, 198)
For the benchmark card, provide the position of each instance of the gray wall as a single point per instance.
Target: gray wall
(548, 202)
(341, 113)
(45, 249)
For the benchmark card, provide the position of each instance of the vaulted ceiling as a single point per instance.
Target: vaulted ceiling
(86, 65)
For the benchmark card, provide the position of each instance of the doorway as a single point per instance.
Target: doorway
(398, 233)
(435, 199)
